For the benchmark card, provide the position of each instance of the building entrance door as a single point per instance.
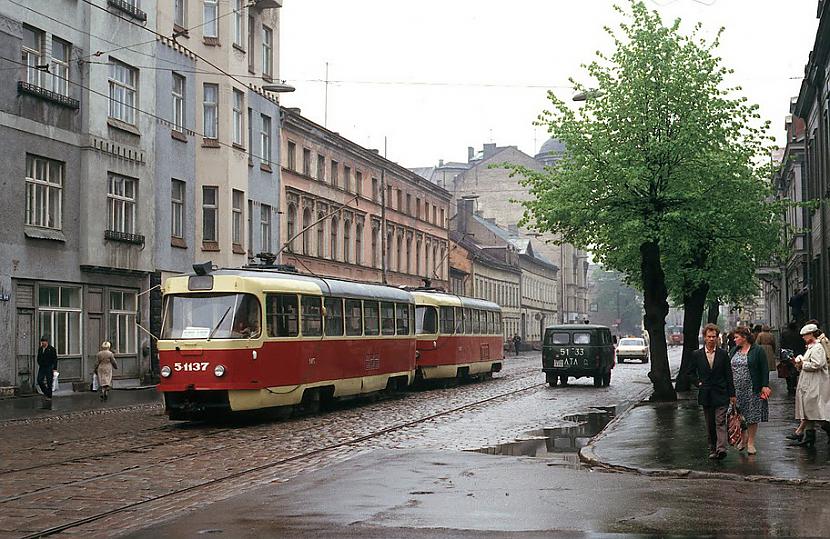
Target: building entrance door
(26, 368)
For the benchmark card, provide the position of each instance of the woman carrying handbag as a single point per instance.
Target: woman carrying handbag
(812, 396)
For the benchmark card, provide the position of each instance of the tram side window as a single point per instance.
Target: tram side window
(411, 310)
(354, 318)
(426, 320)
(447, 320)
(312, 316)
(371, 317)
(387, 318)
(402, 318)
(476, 323)
(468, 321)
(487, 322)
(498, 323)
(334, 316)
(459, 320)
(281, 315)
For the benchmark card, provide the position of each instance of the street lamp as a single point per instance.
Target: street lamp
(591, 93)
(281, 88)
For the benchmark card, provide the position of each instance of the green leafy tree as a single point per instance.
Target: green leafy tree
(660, 140)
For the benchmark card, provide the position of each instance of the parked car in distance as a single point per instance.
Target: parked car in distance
(632, 348)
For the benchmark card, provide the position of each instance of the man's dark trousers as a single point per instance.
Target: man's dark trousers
(44, 380)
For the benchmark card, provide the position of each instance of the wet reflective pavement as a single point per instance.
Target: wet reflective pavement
(672, 436)
(21, 408)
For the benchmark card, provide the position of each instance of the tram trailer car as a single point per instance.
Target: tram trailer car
(458, 337)
(240, 340)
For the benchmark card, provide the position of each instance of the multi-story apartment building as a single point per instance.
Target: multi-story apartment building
(498, 195)
(812, 107)
(348, 212)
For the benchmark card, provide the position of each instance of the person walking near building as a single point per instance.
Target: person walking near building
(792, 341)
(104, 367)
(713, 372)
(812, 397)
(750, 373)
(517, 341)
(47, 365)
(766, 340)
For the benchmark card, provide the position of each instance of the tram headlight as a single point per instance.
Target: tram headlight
(219, 370)
(166, 372)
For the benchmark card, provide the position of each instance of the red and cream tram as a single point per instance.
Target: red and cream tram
(250, 339)
(458, 337)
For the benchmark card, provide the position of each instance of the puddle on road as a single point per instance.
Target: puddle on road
(557, 442)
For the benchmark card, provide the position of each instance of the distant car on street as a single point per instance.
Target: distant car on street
(632, 348)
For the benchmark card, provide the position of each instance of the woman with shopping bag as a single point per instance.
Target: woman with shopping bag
(106, 364)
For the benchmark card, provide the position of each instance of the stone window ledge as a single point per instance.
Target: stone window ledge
(178, 242)
(210, 245)
(265, 168)
(38, 233)
(178, 135)
(210, 143)
(211, 41)
(123, 126)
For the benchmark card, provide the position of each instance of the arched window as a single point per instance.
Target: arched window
(347, 241)
(418, 257)
(389, 251)
(291, 228)
(358, 244)
(333, 251)
(375, 247)
(306, 233)
(409, 255)
(398, 253)
(321, 235)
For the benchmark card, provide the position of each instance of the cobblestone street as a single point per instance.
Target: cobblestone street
(115, 471)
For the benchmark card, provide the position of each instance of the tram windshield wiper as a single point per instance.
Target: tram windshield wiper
(219, 323)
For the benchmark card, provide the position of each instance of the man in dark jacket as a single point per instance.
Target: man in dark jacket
(791, 340)
(47, 364)
(517, 341)
(716, 389)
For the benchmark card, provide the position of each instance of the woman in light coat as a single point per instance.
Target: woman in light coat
(106, 364)
(812, 396)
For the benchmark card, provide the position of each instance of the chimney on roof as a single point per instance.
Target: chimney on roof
(466, 207)
(471, 152)
(440, 162)
(375, 150)
(489, 150)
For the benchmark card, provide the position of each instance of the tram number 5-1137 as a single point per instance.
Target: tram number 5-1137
(191, 367)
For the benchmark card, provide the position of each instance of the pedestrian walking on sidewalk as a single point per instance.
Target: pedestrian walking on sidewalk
(47, 365)
(791, 340)
(517, 341)
(812, 397)
(766, 340)
(713, 372)
(104, 367)
(750, 373)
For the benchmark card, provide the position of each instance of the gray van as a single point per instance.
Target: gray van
(577, 350)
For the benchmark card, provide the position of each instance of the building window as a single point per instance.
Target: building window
(388, 253)
(347, 179)
(211, 111)
(210, 209)
(399, 253)
(123, 81)
(358, 182)
(290, 231)
(61, 54)
(291, 156)
(375, 190)
(265, 139)
(334, 179)
(442, 223)
(434, 212)
(44, 192)
(251, 34)
(267, 51)
(334, 230)
(418, 208)
(59, 317)
(122, 322)
(179, 13)
(238, 199)
(306, 232)
(238, 23)
(211, 18)
(250, 227)
(358, 244)
(265, 226)
(177, 194)
(399, 207)
(250, 135)
(321, 167)
(347, 241)
(408, 204)
(178, 103)
(33, 44)
(238, 127)
(321, 235)
(306, 161)
(418, 257)
(121, 198)
(408, 255)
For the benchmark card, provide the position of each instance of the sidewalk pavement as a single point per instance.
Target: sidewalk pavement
(64, 402)
(670, 439)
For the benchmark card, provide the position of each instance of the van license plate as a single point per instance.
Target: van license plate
(558, 362)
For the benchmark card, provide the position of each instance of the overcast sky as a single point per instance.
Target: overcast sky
(437, 76)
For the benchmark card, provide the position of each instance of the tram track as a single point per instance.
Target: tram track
(351, 441)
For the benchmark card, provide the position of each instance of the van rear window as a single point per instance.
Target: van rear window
(582, 338)
(560, 338)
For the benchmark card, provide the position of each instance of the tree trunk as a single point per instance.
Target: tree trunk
(714, 312)
(656, 307)
(693, 306)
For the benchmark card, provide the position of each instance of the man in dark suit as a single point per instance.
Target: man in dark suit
(716, 389)
(47, 364)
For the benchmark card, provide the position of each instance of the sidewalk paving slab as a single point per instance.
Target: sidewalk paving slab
(67, 402)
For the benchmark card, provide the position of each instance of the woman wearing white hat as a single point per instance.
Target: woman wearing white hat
(106, 363)
(812, 397)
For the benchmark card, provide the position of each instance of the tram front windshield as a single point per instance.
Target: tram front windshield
(211, 316)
